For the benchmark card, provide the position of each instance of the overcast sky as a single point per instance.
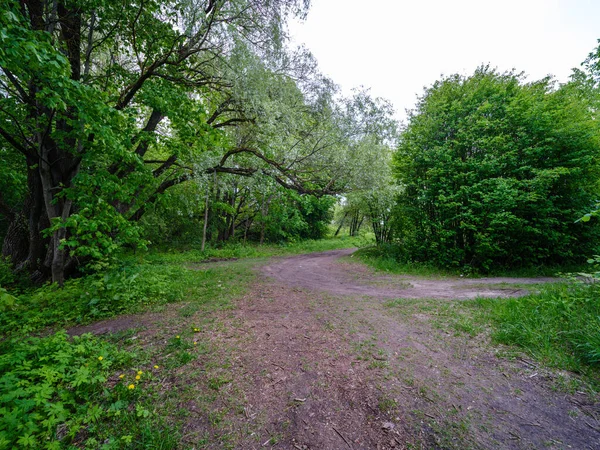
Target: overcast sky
(396, 47)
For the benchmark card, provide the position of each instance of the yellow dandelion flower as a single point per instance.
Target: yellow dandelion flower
(137, 377)
(131, 386)
(140, 372)
(195, 342)
(121, 376)
(100, 358)
(177, 337)
(156, 367)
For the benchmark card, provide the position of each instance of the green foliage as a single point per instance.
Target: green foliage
(53, 388)
(125, 288)
(495, 173)
(7, 301)
(389, 258)
(292, 216)
(238, 250)
(6, 274)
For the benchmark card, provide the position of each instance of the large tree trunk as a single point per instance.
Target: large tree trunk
(16, 245)
(24, 243)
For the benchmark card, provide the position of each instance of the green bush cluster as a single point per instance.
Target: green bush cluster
(495, 173)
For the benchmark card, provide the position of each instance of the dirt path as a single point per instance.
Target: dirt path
(323, 272)
(327, 365)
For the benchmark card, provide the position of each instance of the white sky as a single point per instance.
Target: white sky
(396, 47)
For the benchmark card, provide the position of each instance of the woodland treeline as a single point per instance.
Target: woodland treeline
(125, 123)
(128, 124)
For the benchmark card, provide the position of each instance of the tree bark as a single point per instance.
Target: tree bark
(341, 225)
(204, 226)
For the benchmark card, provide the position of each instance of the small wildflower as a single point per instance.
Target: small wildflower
(156, 367)
(140, 372)
(131, 386)
(137, 377)
(121, 376)
(177, 337)
(195, 342)
(100, 358)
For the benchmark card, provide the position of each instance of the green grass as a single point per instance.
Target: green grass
(387, 259)
(253, 250)
(380, 260)
(559, 326)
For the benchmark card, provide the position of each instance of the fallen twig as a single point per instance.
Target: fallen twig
(277, 365)
(514, 436)
(342, 436)
(592, 426)
(529, 363)
(279, 381)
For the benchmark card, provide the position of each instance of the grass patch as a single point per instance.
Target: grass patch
(135, 285)
(559, 326)
(383, 261)
(388, 259)
(253, 250)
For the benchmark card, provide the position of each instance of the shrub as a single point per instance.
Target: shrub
(496, 172)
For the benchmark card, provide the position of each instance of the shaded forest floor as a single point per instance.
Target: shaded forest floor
(323, 353)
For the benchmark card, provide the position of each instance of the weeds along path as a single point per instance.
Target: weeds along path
(331, 362)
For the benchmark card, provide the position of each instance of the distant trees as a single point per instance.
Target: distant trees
(495, 171)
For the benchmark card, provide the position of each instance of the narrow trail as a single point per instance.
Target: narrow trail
(322, 353)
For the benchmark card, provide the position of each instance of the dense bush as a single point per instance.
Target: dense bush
(295, 216)
(496, 172)
(123, 288)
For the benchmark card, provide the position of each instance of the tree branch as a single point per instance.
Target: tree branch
(12, 141)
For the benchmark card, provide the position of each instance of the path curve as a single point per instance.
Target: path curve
(325, 272)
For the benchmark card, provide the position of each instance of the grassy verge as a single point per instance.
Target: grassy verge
(387, 259)
(383, 261)
(109, 392)
(252, 250)
(559, 326)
